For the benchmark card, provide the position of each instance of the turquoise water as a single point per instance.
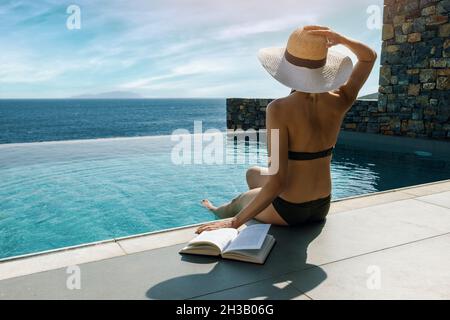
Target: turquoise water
(58, 194)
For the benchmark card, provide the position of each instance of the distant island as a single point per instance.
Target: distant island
(109, 95)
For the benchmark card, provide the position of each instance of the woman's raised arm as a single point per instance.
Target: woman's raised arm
(366, 59)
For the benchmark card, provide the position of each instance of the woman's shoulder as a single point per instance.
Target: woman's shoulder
(279, 103)
(276, 106)
(285, 102)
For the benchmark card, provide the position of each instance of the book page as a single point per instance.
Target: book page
(220, 237)
(255, 256)
(252, 237)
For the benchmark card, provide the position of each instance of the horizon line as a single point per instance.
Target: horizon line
(149, 98)
(140, 98)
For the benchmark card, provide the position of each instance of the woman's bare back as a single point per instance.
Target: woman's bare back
(312, 126)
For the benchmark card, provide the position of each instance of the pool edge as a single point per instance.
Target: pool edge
(42, 261)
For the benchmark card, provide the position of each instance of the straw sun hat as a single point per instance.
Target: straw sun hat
(306, 64)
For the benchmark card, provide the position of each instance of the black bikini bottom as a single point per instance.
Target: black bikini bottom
(299, 213)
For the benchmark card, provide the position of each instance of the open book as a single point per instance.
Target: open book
(251, 244)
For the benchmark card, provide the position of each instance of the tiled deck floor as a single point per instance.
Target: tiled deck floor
(401, 235)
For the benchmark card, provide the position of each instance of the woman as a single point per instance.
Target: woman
(308, 121)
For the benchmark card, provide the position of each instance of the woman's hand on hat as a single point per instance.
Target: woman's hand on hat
(333, 38)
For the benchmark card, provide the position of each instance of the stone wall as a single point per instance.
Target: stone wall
(246, 113)
(364, 117)
(414, 91)
(415, 69)
(251, 114)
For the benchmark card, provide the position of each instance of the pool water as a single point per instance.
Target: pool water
(61, 194)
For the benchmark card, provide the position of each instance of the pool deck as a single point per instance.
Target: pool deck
(386, 245)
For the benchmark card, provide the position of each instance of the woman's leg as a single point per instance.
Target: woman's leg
(232, 208)
(256, 178)
(271, 216)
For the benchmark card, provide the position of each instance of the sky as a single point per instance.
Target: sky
(162, 48)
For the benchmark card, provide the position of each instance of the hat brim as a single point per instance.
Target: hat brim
(331, 76)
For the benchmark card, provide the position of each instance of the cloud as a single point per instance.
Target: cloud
(199, 47)
(270, 25)
(191, 68)
(25, 73)
(201, 66)
(17, 68)
(20, 66)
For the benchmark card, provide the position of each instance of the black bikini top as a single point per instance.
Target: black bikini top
(295, 155)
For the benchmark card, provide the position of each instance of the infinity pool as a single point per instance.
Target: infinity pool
(59, 194)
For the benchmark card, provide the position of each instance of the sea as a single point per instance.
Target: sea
(36, 120)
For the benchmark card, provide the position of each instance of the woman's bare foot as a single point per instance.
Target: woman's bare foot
(208, 205)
